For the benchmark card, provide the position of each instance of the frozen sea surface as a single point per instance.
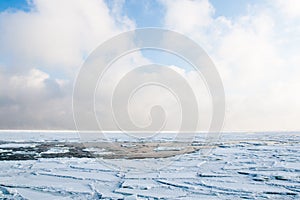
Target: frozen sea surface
(242, 166)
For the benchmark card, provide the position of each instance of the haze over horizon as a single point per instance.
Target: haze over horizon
(255, 46)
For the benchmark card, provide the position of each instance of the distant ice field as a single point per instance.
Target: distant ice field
(42, 165)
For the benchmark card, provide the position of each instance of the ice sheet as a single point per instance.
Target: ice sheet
(243, 166)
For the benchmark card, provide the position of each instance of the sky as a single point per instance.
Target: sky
(254, 44)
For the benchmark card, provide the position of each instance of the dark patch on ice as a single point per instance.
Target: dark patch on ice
(39, 150)
(116, 150)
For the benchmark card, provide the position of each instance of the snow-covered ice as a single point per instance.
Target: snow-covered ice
(242, 166)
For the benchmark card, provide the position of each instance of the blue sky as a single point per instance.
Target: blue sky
(14, 4)
(148, 13)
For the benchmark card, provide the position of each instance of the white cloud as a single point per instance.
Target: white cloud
(290, 8)
(186, 16)
(41, 50)
(141, 102)
(57, 33)
(32, 100)
(256, 54)
(35, 79)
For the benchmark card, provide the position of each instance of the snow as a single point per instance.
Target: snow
(168, 148)
(16, 145)
(56, 150)
(243, 166)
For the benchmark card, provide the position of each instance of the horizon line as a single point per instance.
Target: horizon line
(118, 131)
